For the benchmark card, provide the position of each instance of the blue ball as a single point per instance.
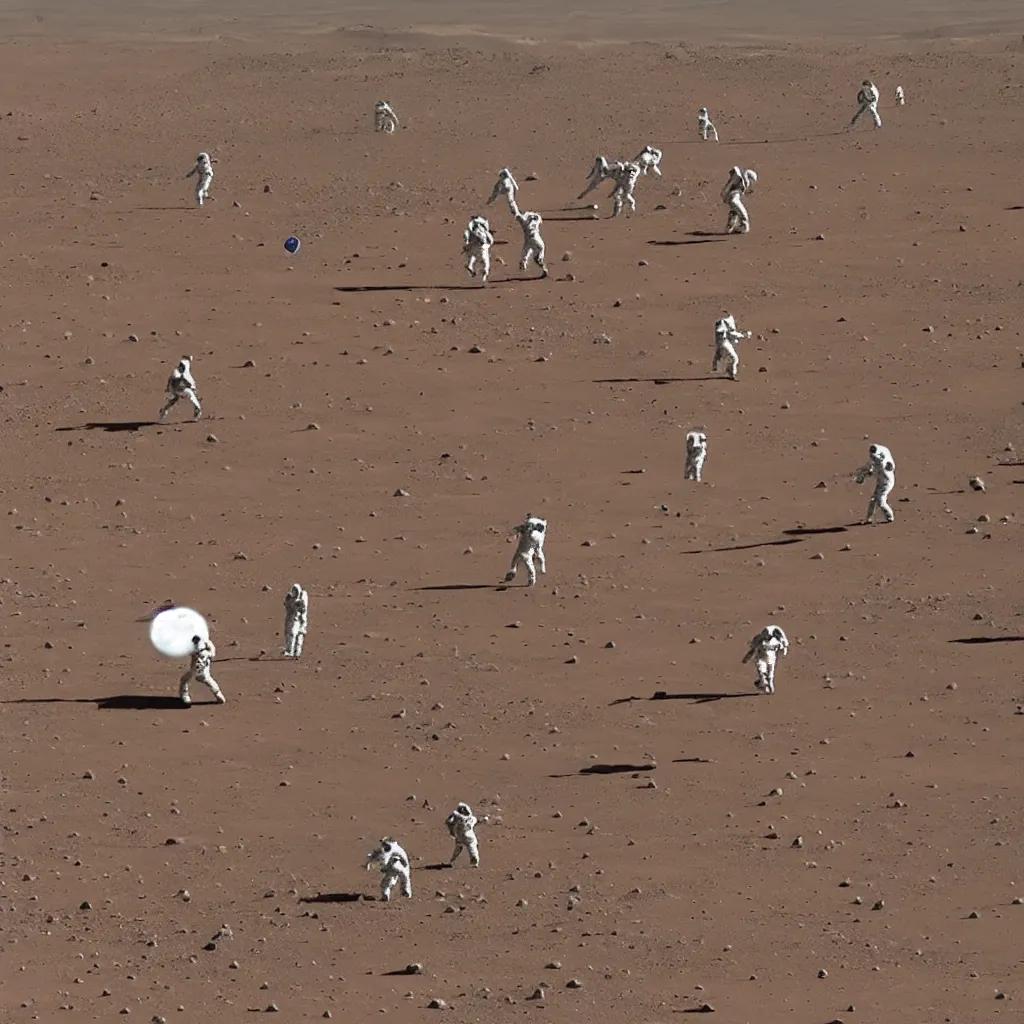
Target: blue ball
(292, 244)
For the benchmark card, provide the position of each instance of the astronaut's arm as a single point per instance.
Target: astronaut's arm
(864, 472)
(749, 654)
(195, 170)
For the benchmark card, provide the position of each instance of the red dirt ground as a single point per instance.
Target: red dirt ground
(895, 748)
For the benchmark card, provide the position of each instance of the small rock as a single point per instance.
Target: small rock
(312, 426)
(248, 364)
(819, 238)
(401, 493)
(823, 973)
(973, 915)
(436, 1004)
(133, 338)
(85, 905)
(554, 965)
(212, 438)
(574, 983)
(977, 484)
(414, 969)
(475, 349)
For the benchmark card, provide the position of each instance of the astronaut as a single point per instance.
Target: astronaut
(739, 184)
(696, 453)
(204, 177)
(533, 244)
(462, 824)
(181, 384)
(625, 174)
(296, 620)
(765, 649)
(704, 125)
(901, 96)
(476, 245)
(532, 533)
(506, 186)
(649, 159)
(203, 653)
(394, 867)
(867, 97)
(384, 118)
(882, 466)
(726, 339)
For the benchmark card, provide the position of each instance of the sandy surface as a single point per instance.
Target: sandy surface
(892, 746)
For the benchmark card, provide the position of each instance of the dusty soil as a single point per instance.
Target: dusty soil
(892, 746)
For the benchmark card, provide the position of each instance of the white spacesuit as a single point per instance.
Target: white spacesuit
(394, 867)
(901, 96)
(462, 824)
(765, 648)
(696, 453)
(649, 159)
(203, 653)
(882, 466)
(739, 184)
(867, 98)
(533, 244)
(182, 385)
(704, 125)
(296, 620)
(476, 246)
(204, 171)
(532, 533)
(506, 186)
(726, 339)
(624, 174)
(384, 118)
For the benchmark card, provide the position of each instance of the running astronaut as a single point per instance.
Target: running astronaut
(506, 186)
(476, 247)
(704, 125)
(296, 620)
(182, 385)
(394, 868)
(533, 243)
(739, 184)
(765, 649)
(461, 824)
(204, 177)
(867, 99)
(532, 533)
(882, 466)
(203, 653)
(625, 174)
(726, 339)
(696, 453)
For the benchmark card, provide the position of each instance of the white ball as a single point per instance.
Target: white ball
(171, 632)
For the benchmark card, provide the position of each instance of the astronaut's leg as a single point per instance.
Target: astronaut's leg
(881, 499)
(742, 217)
(471, 263)
(772, 662)
(542, 564)
(617, 202)
(183, 693)
(631, 200)
(538, 256)
(714, 132)
(291, 629)
(474, 849)
(485, 265)
(762, 683)
(168, 405)
(527, 253)
(406, 878)
(531, 572)
(208, 680)
(698, 467)
(732, 359)
(387, 883)
(688, 473)
(872, 505)
(300, 639)
(874, 113)
(455, 853)
(197, 409)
